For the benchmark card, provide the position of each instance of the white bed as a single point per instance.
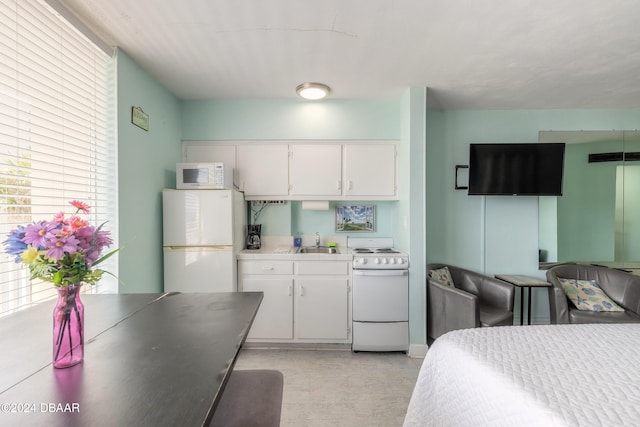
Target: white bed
(546, 375)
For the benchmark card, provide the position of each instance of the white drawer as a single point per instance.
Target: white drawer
(322, 268)
(266, 267)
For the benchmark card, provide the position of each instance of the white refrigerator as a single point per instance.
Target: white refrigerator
(203, 230)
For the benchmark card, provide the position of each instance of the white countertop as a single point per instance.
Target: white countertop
(281, 248)
(289, 253)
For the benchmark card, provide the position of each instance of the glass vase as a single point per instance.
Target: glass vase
(68, 327)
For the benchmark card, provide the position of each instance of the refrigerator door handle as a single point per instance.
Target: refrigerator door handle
(197, 248)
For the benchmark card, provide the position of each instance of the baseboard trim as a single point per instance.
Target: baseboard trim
(418, 351)
(296, 346)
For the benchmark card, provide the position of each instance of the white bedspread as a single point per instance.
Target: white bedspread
(546, 375)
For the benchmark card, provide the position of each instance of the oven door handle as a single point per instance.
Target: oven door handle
(380, 272)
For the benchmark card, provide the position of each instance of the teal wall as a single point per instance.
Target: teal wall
(588, 203)
(290, 218)
(412, 192)
(493, 234)
(290, 119)
(309, 221)
(146, 165)
(548, 228)
(631, 237)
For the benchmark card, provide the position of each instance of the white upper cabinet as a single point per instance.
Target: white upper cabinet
(369, 170)
(316, 170)
(263, 170)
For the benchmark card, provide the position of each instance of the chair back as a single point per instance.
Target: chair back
(620, 286)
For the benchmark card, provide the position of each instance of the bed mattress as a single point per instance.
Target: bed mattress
(545, 375)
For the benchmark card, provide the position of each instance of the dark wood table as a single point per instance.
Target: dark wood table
(522, 282)
(150, 360)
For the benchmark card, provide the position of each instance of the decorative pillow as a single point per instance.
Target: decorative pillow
(587, 295)
(442, 275)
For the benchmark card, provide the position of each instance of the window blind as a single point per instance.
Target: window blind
(56, 138)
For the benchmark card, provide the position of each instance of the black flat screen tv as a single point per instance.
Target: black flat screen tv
(516, 169)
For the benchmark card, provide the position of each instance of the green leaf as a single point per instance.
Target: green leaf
(107, 256)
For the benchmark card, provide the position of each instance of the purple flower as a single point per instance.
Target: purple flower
(14, 244)
(60, 245)
(39, 234)
(85, 237)
(99, 240)
(103, 239)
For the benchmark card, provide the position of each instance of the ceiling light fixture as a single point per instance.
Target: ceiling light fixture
(312, 90)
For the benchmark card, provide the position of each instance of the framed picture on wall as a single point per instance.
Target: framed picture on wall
(355, 218)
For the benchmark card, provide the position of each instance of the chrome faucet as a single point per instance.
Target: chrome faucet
(317, 239)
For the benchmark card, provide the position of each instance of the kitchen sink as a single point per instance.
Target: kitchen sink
(317, 250)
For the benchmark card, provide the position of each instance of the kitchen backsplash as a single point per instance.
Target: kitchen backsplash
(289, 218)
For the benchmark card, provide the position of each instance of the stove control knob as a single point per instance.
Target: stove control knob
(392, 261)
(377, 261)
(384, 260)
(361, 261)
(400, 261)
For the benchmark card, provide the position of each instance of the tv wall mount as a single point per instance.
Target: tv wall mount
(465, 185)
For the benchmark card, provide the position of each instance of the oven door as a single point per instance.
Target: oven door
(380, 295)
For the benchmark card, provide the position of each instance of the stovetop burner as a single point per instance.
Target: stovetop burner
(387, 251)
(363, 250)
(375, 251)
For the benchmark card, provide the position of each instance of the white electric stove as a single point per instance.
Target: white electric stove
(380, 295)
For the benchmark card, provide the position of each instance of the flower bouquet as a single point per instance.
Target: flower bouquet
(65, 252)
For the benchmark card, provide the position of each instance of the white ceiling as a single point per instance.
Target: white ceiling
(480, 54)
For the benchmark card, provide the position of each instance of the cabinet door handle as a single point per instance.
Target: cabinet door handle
(301, 291)
(290, 290)
(349, 185)
(268, 268)
(339, 186)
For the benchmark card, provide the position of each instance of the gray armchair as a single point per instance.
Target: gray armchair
(621, 287)
(476, 300)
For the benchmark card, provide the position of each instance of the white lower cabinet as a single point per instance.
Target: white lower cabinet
(311, 304)
(321, 309)
(274, 320)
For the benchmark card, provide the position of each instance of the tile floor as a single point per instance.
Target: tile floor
(339, 388)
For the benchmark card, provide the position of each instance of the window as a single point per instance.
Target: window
(56, 138)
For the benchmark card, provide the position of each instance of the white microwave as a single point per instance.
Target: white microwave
(203, 176)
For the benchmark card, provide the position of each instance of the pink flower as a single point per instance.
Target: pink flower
(81, 206)
(60, 246)
(74, 223)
